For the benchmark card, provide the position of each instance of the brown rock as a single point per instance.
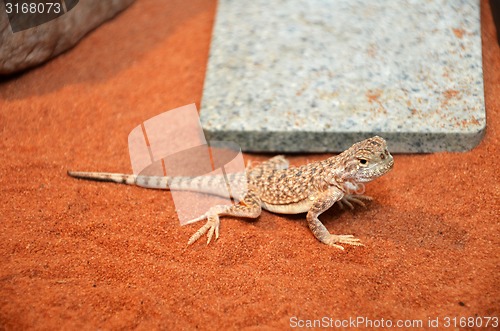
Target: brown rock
(30, 47)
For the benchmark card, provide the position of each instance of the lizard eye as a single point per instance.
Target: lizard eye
(362, 161)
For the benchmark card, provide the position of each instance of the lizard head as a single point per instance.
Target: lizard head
(366, 160)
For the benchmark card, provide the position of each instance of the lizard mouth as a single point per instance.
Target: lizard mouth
(376, 171)
(387, 167)
(391, 164)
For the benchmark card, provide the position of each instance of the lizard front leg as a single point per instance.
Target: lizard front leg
(349, 199)
(251, 208)
(321, 204)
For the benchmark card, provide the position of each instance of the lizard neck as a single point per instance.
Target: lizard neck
(335, 174)
(332, 170)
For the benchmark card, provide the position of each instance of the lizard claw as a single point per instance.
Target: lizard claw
(343, 239)
(212, 226)
(354, 198)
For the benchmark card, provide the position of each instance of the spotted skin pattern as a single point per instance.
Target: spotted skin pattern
(274, 186)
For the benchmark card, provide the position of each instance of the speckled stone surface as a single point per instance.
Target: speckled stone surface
(318, 75)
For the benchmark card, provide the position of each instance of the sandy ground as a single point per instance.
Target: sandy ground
(88, 255)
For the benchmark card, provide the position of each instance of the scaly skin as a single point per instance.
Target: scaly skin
(273, 186)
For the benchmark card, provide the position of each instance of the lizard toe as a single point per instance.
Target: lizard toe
(355, 198)
(214, 228)
(210, 227)
(344, 239)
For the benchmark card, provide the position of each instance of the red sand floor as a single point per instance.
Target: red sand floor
(78, 254)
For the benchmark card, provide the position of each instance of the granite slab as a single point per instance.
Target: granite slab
(318, 75)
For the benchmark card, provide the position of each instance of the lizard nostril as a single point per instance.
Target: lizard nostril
(382, 156)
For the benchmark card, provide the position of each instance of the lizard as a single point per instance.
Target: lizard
(274, 186)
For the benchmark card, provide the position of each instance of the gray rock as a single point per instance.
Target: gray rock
(317, 76)
(30, 47)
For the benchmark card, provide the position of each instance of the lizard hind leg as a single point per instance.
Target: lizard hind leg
(250, 209)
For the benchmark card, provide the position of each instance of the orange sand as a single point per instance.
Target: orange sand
(77, 254)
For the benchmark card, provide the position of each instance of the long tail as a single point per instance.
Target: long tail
(154, 182)
(210, 184)
(104, 177)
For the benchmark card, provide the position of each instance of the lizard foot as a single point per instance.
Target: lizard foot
(212, 226)
(349, 199)
(343, 239)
